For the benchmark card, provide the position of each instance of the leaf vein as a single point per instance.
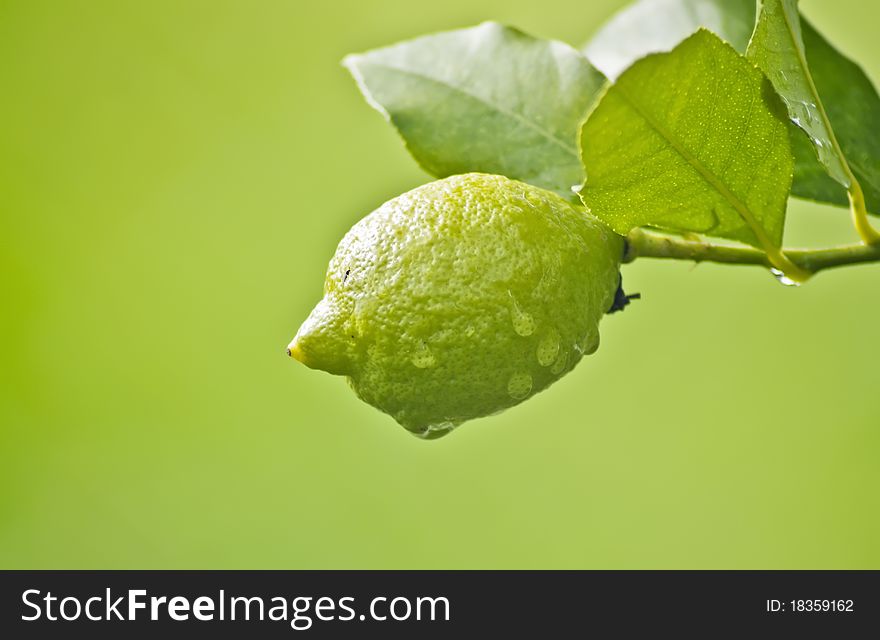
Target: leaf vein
(549, 135)
(801, 56)
(713, 180)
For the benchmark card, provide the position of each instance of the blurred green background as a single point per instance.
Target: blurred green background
(174, 177)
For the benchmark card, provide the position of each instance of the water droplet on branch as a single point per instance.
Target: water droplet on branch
(783, 279)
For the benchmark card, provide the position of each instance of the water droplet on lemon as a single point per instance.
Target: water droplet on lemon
(548, 349)
(523, 323)
(434, 431)
(559, 365)
(589, 343)
(520, 385)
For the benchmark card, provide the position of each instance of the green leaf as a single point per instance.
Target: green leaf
(489, 98)
(777, 48)
(653, 26)
(811, 179)
(853, 108)
(851, 101)
(695, 140)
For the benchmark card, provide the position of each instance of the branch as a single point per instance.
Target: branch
(648, 244)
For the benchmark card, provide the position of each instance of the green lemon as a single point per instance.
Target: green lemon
(461, 298)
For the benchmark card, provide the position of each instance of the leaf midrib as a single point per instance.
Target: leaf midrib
(800, 52)
(569, 148)
(708, 175)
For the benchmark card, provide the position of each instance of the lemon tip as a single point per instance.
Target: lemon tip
(295, 351)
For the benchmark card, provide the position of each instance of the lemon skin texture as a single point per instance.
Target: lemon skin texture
(461, 298)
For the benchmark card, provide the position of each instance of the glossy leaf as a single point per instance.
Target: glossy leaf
(489, 98)
(695, 140)
(851, 101)
(653, 26)
(853, 108)
(777, 48)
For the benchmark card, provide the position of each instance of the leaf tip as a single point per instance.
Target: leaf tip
(350, 61)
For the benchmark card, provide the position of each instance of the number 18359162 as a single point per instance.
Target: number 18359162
(810, 606)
